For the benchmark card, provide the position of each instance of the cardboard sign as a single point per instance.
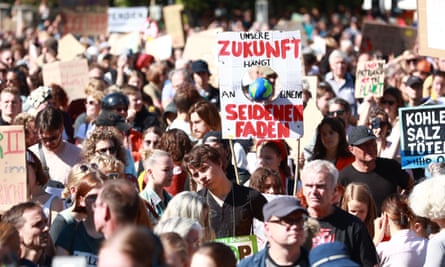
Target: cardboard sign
(242, 246)
(174, 25)
(261, 96)
(431, 27)
(86, 22)
(13, 180)
(69, 48)
(126, 19)
(71, 75)
(160, 47)
(370, 78)
(422, 136)
(120, 42)
(388, 39)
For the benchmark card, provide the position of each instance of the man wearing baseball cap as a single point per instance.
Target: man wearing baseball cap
(383, 176)
(284, 221)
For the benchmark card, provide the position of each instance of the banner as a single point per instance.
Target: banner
(126, 19)
(431, 27)
(422, 136)
(13, 180)
(242, 246)
(71, 75)
(388, 39)
(174, 25)
(369, 78)
(260, 80)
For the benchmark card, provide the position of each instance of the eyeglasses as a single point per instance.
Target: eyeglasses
(85, 167)
(120, 109)
(111, 150)
(289, 221)
(50, 139)
(149, 142)
(387, 102)
(338, 112)
(411, 61)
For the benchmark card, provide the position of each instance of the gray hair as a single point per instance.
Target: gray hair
(321, 166)
(427, 198)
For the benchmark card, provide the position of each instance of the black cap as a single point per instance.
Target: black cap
(413, 80)
(281, 207)
(200, 66)
(359, 135)
(111, 118)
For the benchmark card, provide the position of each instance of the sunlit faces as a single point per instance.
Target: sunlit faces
(151, 140)
(51, 139)
(329, 137)
(207, 173)
(271, 186)
(200, 260)
(338, 111)
(358, 209)
(288, 230)
(198, 126)
(268, 158)
(439, 85)
(135, 101)
(92, 107)
(322, 103)
(10, 104)
(34, 232)
(338, 66)
(365, 152)
(318, 190)
(162, 171)
(100, 214)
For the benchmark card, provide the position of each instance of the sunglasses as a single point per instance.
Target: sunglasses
(91, 198)
(388, 102)
(411, 61)
(86, 168)
(338, 112)
(288, 221)
(50, 139)
(111, 150)
(113, 175)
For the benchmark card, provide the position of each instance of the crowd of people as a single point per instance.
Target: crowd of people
(137, 172)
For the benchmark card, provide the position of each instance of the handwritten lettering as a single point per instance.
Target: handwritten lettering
(279, 49)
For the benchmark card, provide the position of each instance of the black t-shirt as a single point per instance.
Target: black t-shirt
(382, 182)
(344, 227)
(242, 202)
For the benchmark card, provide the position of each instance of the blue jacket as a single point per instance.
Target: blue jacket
(259, 259)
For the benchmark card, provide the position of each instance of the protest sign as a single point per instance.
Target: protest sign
(160, 47)
(422, 136)
(260, 84)
(69, 48)
(242, 246)
(13, 185)
(121, 42)
(71, 75)
(85, 22)
(431, 27)
(126, 19)
(388, 39)
(369, 78)
(174, 25)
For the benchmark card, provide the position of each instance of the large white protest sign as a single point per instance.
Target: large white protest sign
(422, 136)
(260, 80)
(126, 19)
(431, 28)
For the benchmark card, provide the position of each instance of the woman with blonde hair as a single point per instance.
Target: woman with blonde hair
(82, 178)
(189, 204)
(358, 201)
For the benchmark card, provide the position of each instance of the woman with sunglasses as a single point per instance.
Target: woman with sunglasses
(108, 140)
(73, 230)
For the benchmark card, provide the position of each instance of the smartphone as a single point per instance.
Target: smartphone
(375, 123)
